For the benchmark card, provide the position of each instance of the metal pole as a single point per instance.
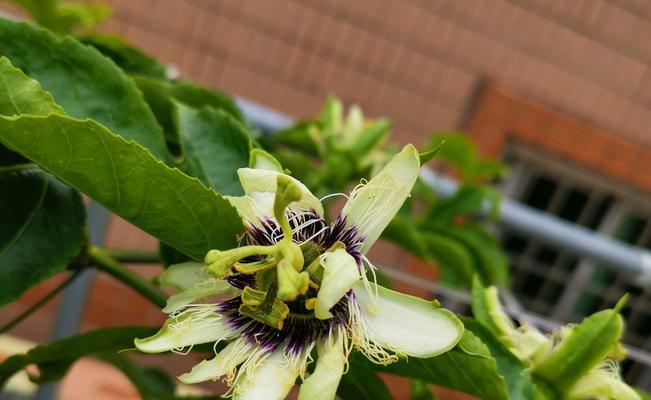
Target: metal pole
(73, 300)
(514, 215)
(558, 232)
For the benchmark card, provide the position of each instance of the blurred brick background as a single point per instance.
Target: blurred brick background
(419, 62)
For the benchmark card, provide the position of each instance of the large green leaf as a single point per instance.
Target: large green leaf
(160, 95)
(54, 359)
(83, 82)
(488, 259)
(214, 146)
(468, 368)
(361, 381)
(43, 221)
(453, 258)
(43, 232)
(127, 179)
(515, 373)
(131, 59)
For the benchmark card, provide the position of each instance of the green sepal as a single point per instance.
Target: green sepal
(583, 348)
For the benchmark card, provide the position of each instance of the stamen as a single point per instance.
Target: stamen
(362, 338)
(333, 195)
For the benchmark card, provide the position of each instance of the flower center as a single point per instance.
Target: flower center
(292, 322)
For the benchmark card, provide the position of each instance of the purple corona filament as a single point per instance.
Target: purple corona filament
(300, 328)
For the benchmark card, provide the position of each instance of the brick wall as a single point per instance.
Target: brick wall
(415, 61)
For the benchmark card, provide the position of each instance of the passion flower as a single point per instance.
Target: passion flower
(296, 283)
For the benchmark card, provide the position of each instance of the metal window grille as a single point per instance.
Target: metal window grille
(552, 282)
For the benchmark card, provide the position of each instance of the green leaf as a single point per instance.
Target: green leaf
(214, 146)
(161, 93)
(468, 199)
(126, 179)
(403, 232)
(43, 221)
(454, 261)
(487, 310)
(453, 258)
(372, 135)
(468, 368)
(515, 373)
(199, 97)
(83, 82)
(21, 95)
(488, 259)
(42, 230)
(64, 17)
(429, 155)
(170, 256)
(131, 59)
(585, 346)
(421, 391)
(455, 149)
(361, 382)
(297, 137)
(458, 151)
(57, 357)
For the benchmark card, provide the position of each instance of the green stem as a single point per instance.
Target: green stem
(31, 310)
(101, 259)
(136, 256)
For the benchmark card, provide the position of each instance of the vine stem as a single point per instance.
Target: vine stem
(104, 262)
(34, 307)
(136, 256)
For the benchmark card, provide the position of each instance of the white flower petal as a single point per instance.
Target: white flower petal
(260, 159)
(271, 380)
(260, 181)
(340, 273)
(406, 324)
(206, 288)
(372, 206)
(323, 383)
(183, 276)
(222, 364)
(250, 211)
(189, 328)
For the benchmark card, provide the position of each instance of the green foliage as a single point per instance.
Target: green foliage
(515, 373)
(361, 382)
(585, 346)
(458, 151)
(43, 228)
(131, 59)
(126, 179)
(83, 82)
(122, 175)
(43, 221)
(54, 359)
(64, 17)
(421, 391)
(468, 368)
(206, 132)
(161, 96)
